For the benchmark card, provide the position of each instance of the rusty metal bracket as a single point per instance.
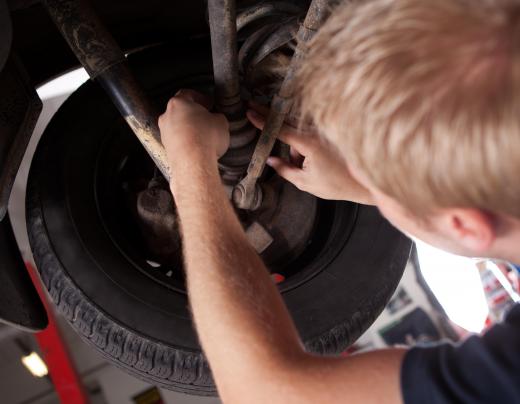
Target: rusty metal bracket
(246, 194)
(105, 62)
(259, 237)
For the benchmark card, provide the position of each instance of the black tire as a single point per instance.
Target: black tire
(141, 325)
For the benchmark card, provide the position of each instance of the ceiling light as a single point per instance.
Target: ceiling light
(35, 364)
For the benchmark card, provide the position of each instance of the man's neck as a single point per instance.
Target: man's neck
(508, 240)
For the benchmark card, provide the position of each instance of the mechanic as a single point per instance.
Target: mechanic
(417, 106)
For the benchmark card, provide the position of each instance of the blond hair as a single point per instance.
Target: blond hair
(423, 96)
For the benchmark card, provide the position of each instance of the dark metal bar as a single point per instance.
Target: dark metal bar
(222, 22)
(20, 108)
(20, 304)
(264, 10)
(247, 194)
(105, 62)
(6, 33)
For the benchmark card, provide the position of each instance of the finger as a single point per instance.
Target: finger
(224, 139)
(195, 96)
(261, 109)
(287, 134)
(296, 158)
(256, 119)
(291, 122)
(304, 144)
(285, 170)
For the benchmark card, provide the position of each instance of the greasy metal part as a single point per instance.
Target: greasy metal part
(246, 192)
(20, 108)
(222, 21)
(258, 12)
(134, 105)
(87, 37)
(20, 305)
(6, 33)
(281, 37)
(235, 162)
(267, 32)
(256, 202)
(288, 215)
(104, 61)
(252, 43)
(258, 237)
(158, 220)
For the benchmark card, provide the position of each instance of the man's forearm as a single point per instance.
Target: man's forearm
(243, 325)
(239, 314)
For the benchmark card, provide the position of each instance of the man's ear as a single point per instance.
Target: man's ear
(473, 229)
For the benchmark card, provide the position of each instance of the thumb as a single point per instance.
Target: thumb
(286, 170)
(256, 119)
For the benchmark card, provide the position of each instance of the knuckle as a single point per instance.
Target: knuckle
(161, 120)
(310, 146)
(171, 103)
(223, 120)
(314, 141)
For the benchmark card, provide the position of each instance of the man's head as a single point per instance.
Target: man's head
(422, 98)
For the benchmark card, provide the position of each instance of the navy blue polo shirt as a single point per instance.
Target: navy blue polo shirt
(479, 370)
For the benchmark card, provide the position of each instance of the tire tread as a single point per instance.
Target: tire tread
(168, 367)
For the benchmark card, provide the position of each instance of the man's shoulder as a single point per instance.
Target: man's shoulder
(479, 369)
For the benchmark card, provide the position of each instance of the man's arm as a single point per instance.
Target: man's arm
(243, 325)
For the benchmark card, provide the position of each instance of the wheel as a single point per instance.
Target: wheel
(131, 306)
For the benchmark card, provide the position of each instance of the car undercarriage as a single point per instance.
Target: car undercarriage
(100, 216)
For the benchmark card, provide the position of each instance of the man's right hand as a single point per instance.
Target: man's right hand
(315, 167)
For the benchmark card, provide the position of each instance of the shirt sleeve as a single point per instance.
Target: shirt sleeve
(480, 370)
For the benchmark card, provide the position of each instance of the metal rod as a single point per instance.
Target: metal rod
(105, 62)
(247, 195)
(222, 22)
(223, 29)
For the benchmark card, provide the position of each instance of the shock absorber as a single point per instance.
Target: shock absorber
(106, 63)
